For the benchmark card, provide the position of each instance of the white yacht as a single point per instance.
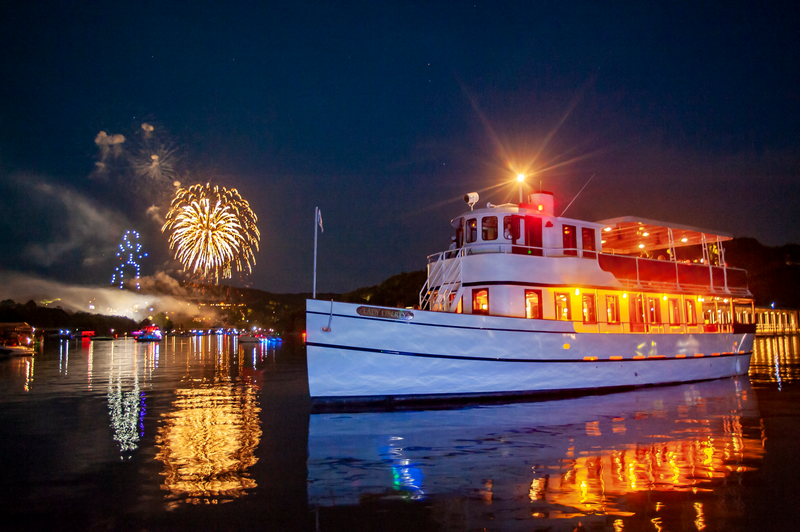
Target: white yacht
(527, 302)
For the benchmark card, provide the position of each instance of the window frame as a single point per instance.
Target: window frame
(635, 304)
(538, 294)
(653, 310)
(674, 304)
(572, 249)
(471, 231)
(589, 297)
(510, 228)
(484, 231)
(590, 251)
(615, 299)
(691, 312)
(475, 308)
(556, 297)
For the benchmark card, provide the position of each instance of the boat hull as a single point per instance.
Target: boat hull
(420, 355)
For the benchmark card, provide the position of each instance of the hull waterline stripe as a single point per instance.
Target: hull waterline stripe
(489, 359)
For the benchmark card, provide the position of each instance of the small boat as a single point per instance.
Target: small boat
(8, 351)
(527, 302)
(150, 333)
(250, 339)
(16, 339)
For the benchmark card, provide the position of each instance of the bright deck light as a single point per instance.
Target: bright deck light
(520, 177)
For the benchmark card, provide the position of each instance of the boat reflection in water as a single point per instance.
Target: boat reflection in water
(664, 455)
(208, 438)
(776, 359)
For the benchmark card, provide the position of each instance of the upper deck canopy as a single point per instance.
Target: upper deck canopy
(627, 234)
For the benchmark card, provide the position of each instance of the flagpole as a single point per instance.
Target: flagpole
(316, 222)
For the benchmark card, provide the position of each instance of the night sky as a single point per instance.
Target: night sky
(384, 114)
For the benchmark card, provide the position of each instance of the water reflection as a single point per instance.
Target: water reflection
(610, 461)
(126, 401)
(207, 440)
(776, 359)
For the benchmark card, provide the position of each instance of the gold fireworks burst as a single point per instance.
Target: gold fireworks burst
(213, 230)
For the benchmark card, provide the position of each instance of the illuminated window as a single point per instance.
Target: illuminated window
(589, 310)
(472, 230)
(570, 240)
(489, 228)
(587, 242)
(674, 312)
(691, 312)
(654, 309)
(563, 311)
(709, 312)
(636, 309)
(533, 304)
(480, 301)
(612, 309)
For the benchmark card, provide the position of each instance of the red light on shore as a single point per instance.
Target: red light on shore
(304, 337)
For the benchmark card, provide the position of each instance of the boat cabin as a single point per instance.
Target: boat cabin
(619, 275)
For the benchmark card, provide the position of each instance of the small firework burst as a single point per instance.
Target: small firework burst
(155, 162)
(213, 231)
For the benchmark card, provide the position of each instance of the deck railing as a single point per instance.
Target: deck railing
(631, 272)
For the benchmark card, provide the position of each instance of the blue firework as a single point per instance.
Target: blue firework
(129, 255)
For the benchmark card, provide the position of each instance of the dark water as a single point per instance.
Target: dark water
(200, 434)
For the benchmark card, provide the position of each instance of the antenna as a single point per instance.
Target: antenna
(576, 196)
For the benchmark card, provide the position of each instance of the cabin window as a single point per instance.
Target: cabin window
(674, 312)
(480, 301)
(709, 313)
(533, 304)
(510, 228)
(691, 312)
(589, 309)
(587, 242)
(636, 309)
(489, 228)
(563, 311)
(654, 309)
(570, 240)
(472, 230)
(612, 309)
